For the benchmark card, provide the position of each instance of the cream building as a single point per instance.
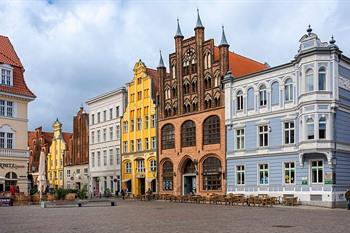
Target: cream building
(105, 112)
(14, 99)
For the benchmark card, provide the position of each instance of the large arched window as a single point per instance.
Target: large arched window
(168, 137)
(188, 134)
(239, 98)
(262, 96)
(211, 130)
(322, 79)
(168, 175)
(309, 77)
(288, 90)
(212, 174)
(275, 93)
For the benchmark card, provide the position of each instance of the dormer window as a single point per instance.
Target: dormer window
(6, 77)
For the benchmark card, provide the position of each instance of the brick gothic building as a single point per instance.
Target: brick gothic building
(191, 125)
(76, 162)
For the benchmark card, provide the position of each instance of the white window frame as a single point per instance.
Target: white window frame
(289, 169)
(239, 101)
(268, 173)
(93, 159)
(141, 165)
(322, 120)
(317, 167)
(262, 133)
(323, 72)
(110, 133)
(111, 159)
(288, 90)
(5, 79)
(289, 130)
(153, 165)
(154, 142)
(309, 122)
(309, 79)
(241, 181)
(240, 139)
(128, 167)
(139, 144)
(105, 158)
(262, 96)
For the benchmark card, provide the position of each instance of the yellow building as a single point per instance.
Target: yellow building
(55, 156)
(139, 160)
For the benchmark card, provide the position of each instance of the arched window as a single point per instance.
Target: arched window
(174, 110)
(174, 92)
(262, 96)
(187, 108)
(217, 81)
(250, 99)
(211, 130)
(216, 101)
(188, 134)
(212, 174)
(239, 100)
(168, 137)
(194, 66)
(207, 82)
(207, 103)
(310, 129)
(309, 77)
(322, 128)
(275, 93)
(167, 93)
(288, 90)
(322, 79)
(186, 86)
(195, 105)
(185, 68)
(194, 86)
(168, 175)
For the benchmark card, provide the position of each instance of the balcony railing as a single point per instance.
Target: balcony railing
(14, 153)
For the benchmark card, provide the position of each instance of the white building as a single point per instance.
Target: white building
(105, 112)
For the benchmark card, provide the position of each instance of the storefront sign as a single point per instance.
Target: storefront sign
(6, 201)
(7, 165)
(328, 178)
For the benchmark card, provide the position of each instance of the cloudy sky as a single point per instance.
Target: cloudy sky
(75, 50)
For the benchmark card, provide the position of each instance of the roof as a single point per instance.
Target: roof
(66, 137)
(8, 56)
(240, 65)
(32, 135)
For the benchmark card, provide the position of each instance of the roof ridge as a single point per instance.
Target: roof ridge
(247, 58)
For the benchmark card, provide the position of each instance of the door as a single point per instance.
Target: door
(189, 184)
(142, 185)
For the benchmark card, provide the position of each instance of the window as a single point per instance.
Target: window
(125, 147)
(111, 157)
(86, 171)
(92, 137)
(322, 79)
(93, 119)
(289, 132)
(240, 139)
(239, 101)
(9, 140)
(2, 108)
(93, 159)
(140, 165)
(139, 95)
(6, 77)
(68, 173)
(168, 137)
(146, 143)
(104, 135)
(132, 124)
(263, 174)
(125, 125)
(173, 71)
(153, 165)
(207, 82)
(98, 117)
(168, 175)
(117, 155)
(2, 140)
(153, 119)
(146, 93)
(98, 159)
(117, 133)
(132, 97)
(104, 158)
(262, 96)
(111, 113)
(78, 171)
(128, 167)
(188, 134)
(139, 123)
(104, 115)
(154, 143)
(211, 130)
(289, 173)
(240, 174)
(146, 122)
(288, 90)
(6, 140)
(275, 93)
(212, 174)
(61, 175)
(250, 99)
(310, 128)
(309, 76)
(117, 111)
(139, 144)
(139, 80)
(132, 146)
(317, 172)
(6, 108)
(322, 128)
(9, 109)
(98, 136)
(110, 133)
(263, 136)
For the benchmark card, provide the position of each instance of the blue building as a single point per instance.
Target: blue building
(288, 127)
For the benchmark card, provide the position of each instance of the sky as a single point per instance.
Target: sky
(75, 50)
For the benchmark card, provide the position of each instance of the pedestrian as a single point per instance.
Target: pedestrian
(123, 194)
(347, 197)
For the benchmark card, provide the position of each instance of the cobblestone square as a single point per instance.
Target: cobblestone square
(160, 216)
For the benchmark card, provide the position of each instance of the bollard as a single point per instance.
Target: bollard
(79, 204)
(113, 203)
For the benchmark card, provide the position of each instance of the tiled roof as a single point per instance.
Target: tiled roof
(66, 137)
(240, 65)
(8, 56)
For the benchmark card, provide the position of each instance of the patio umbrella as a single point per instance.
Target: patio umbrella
(42, 177)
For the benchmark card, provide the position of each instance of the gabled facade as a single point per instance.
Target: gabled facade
(139, 141)
(288, 127)
(14, 99)
(191, 120)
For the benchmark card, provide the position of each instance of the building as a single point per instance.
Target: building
(139, 155)
(191, 120)
(105, 112)
(14, 98)
(38, 141)
(76, 163)
(288, 127)
(57, 152)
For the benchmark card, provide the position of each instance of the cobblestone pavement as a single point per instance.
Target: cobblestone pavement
(161, 216)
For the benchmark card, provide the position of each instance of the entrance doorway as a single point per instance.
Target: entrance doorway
(10, 180)
(154, 186)
(142, 186)
(189, 178)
